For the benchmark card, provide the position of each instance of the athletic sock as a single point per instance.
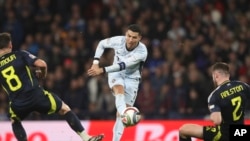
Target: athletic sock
(84, 135)
(19, 131)
(120, 103)
(76, 125)
(186, 139)
(118, 129)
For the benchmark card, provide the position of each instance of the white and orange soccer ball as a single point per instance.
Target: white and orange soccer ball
(131, 116)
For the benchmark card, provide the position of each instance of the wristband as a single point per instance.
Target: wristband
(96, 62)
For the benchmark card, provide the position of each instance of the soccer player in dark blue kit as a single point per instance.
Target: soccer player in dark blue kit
(226, 104)
(26, 95)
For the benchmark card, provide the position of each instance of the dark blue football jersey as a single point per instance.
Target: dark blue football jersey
(16, 77)
(230, 99)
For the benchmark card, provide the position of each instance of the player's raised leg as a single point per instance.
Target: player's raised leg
(119, 98)
(18, 130)
(76, 125)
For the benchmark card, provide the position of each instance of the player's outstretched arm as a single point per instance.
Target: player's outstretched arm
(216, 118)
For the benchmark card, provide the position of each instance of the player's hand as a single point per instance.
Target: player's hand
(95, 66)
(95, 70)
(39, 74)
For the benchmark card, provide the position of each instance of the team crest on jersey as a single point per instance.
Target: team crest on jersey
(113, 80)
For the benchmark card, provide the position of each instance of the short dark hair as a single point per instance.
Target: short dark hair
(5, 39)
(135, 28)
(221, 66)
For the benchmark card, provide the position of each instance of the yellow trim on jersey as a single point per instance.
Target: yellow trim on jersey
(12, 114)
(52, 101)
(218, 135)
(28, 71)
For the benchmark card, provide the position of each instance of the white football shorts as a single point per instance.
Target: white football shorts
(130, 85)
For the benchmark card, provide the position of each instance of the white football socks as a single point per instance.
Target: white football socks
(120, 103)
(118, 129)
(84, 135)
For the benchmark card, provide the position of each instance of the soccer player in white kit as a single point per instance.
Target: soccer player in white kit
(124, 74)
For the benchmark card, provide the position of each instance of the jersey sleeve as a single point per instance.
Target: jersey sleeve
(213, 104)
(111, 42)
(28, 57)
(137, 57)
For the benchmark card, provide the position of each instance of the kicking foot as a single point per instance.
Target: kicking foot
(97, 138)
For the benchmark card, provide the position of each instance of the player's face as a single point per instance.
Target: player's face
(10, 45)
(132, 39)
(214, 79)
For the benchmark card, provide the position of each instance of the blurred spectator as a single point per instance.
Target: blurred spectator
(195, 106)
(13, 25)
(146, 100)
(155, 60)
(158, 79)
(178, 99)
(176, 32)
(198, 82)
(94, 86)
(25, 10)
(185, 53)
(55, 58)
(43, 16)
(31, 45)
(77, 97)
(244, 69)
(106, 104)
(97, 90)
(3, 105)
(163, 101)
(61, 82)
(75, 22)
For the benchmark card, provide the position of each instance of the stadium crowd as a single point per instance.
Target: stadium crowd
(184, 37)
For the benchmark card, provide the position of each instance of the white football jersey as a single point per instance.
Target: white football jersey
(128, 61)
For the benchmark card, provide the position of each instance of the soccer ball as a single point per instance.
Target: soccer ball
(131, 116)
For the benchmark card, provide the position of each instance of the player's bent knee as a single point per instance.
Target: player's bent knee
(118, 89)
(14, 120)
(183, 129)
(65, 108)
